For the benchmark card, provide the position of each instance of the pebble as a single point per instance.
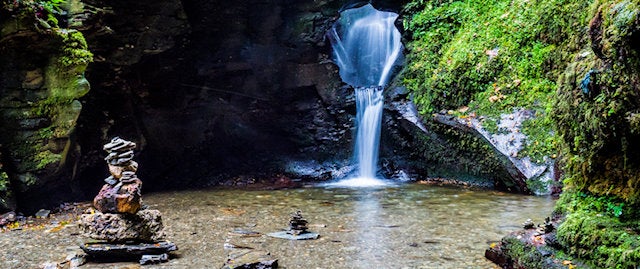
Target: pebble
(43, 213)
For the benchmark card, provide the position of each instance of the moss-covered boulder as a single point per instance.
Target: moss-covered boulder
(42, 66)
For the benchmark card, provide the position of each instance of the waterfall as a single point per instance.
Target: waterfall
(366, 47)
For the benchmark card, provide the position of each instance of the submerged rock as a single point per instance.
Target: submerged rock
(250, 259)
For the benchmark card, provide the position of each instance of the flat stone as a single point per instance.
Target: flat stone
(105, 251)
(250, 259)
(153, 259)
(146, 226)
(288, 236)
(116, 171)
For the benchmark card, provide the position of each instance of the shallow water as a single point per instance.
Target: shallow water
(404, 226)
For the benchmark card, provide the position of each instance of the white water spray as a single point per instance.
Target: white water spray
(366, 46)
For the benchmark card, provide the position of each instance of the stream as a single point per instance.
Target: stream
(403, 226)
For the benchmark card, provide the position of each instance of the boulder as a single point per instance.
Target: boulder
(146, 225)
(119, 198)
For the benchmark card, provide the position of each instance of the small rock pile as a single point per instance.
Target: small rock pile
(297, 229)
(120, 218)
(297, 224)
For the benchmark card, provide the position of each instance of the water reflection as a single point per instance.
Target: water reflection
(405, 226)
(371, 238)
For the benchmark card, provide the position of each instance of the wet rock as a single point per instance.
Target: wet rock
(230, 245)
(50, 265)
(43, 213)
(33, 79)
(546, 227)
(250, 259)
(120, 152)
(297, 224)
(145, 225)
(76, 258)
(528, 224)
(7, 218)
(524, 248)
(496, 255)
(116, 171)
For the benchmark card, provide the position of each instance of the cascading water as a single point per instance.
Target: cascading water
(366, 46)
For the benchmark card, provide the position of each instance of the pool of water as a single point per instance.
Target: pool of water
(406, 226)
(403, 226)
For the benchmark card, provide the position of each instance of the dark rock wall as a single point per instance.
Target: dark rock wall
(213, 89)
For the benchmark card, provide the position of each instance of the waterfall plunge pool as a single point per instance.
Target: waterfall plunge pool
(402, 226)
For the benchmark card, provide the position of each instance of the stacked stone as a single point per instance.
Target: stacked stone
(120, 217)
(122, 193)
(297, 224)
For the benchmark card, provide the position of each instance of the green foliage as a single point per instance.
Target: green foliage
(45, 158)
(4, 181)
(602, 230)
(74, 50)
(46, 12)
(528, 256)
(493, 56)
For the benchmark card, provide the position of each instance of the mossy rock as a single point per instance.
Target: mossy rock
(43, 66)
(597, 101)
(601, 230)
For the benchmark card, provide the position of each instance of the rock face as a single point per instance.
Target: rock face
(244, 86)
(234, 87)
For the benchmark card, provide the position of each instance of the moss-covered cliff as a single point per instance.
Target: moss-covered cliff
(42, 65)
(576, 64)
(596, 114)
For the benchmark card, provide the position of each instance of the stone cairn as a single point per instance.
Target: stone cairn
(124, 229)
(297, 224)
(297, 230)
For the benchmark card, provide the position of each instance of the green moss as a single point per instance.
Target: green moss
(602, 230)
(493, 56)
(64, 82)
(596, 116)
(451, 152)
(46, 13)
(528, 256)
